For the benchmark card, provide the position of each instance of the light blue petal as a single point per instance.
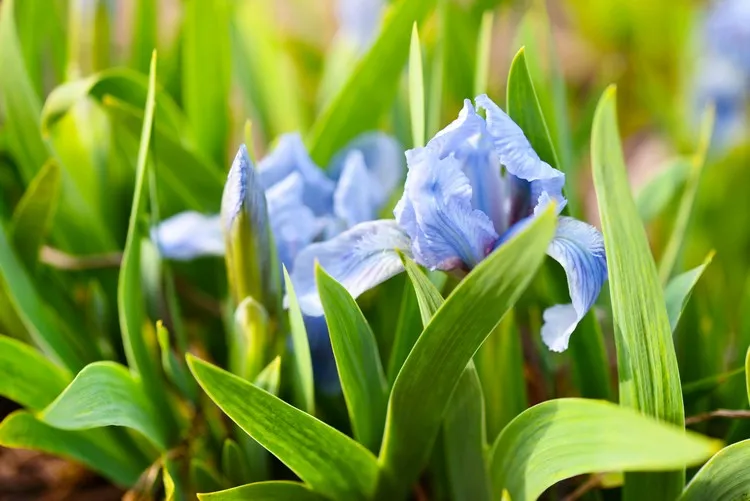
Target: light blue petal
(242, 192)
(359, 20)
(515, 152)
(436, 212)
(351, 202)
(290, 156)
(467, 139)
(359, 258)
(189, 235)
(728, 31)
(579, 248)
(384, 159)
(293, 224)
(722, 83)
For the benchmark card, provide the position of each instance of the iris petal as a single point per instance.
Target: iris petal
(351, 202)
(359, 258)
(189, 235)
(579, 248)
(437, 214)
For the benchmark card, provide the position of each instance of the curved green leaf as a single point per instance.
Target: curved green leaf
(416, 89)
(654, 197)
(332, 463)
(265, 491)
(678, 290)
(304, 384)
(725, 476)
(559, 439)
(26, 377)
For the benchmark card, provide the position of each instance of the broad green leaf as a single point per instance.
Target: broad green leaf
(679, 230)
(265, 491)
(646, 361)
(143, 42)
(304, 384)
(26, 377)
(91, 447)
(678, 290)
(424, 385)
(562, 438)
(41, 36)
(33, 214)
(206, 74)
(724, 476)
(416, 89)
(332, 463)
(106, 394)
(130, 303)
(357, 360)
(484, 48)
(654, 197)
(523, 107)
(464, 440)
(370, 89)
(234, 463)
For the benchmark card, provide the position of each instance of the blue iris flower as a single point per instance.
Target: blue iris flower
(467, 191)
(304, 205)
(359, 21)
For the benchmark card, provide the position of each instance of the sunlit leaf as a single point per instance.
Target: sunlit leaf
(724, 476)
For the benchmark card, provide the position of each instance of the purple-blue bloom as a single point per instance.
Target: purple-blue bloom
(471, 187)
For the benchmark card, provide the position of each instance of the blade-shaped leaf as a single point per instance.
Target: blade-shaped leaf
(484, 47)
(647, 364)
(369, 91)
(26, 377)
(654, 197)
(416, 89)
(678, 290)
(724, 476)
(429, 298)
(265, 491)
(559, 439)
(332, 463)
(106, 394)
(234, 463)
(304, 383)
(423, 387)
(143, 43)
(356, 351)
(408, 329)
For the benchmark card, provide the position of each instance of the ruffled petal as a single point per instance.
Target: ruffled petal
(384, 160)
(290, 156)
(519, 158)
(579, 248)
(359, 258)
(351, 202)
(436, 212)
(189, 235)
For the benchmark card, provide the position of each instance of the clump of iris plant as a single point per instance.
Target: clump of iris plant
(467, 191)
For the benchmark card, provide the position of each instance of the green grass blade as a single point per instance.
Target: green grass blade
(724, 476)
(304, 383)
(429, 298)
(484, 47)
(559, 439)
(278, 490)
(332, 463)
(647, 365)
(106, 394)
(655, 196)
(424, 385)
(26, 377)
(408, 329)
(362, 380)
(416, 89)
(678, 290)
(370, 89)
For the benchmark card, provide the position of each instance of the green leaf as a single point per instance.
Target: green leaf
(355, 349)
(265, 491)
(747, 373)
(655, 196)
(234, 463)
(106, 394)
(678, 290)
(203, 476)
(370, 89)
(145, 13)
(205, 52)
(429, 298)
(249, 343)
(173, 366)
(484, 48)
(647, 365)
(26, 377)
(91, 447)
(408, 329)
(724, 476)
(332, 463)
(424, 385)
(562, 438)
(130, 300)
(304, 384)
(464, 440)
(269, 378)
(416, 89)
(33, 214)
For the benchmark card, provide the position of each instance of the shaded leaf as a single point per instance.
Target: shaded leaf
(304, 384)
(724, 476)
(678, 290)
(265, 491)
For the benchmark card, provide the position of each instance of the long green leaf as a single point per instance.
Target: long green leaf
(265, 491)
(304, 383)
(654, 197)
(429, 298)
(106, 394)
(360, 370)
(416, 89)
(424, 385)
(678, 290)
(143, 43)
(647, 365)
(90, 447)
(332, 463)
(372, 85)
(26, 377)
(559, 439)
(408, 329)
(484, 48)
(724, 476)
